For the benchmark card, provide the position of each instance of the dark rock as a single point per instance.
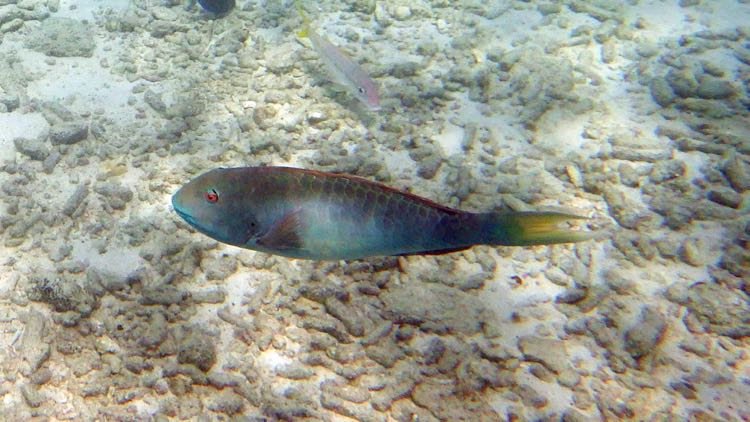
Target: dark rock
(706, 108)
(686, 389)
(667, 170)
(682, 82)
(155, 332)
(435, 350)
(109, 281)
(386, 353)
(623, 208)
(711, 88)
(333, 327)
(197, 349)
(530, 397)
(548, 8)
(736, 260)
(648, 156)
(32, 148)
(41, 376)
(62, 294)
(434, 307)
(737, 172)
(661, 92)
(642, 338)
(10, 102)
(62, 37)
(209, 296)
(347, 315)
(75, 200)
(33, 348)
(33, 397)
(51, 161)
(573, 295)
(427, 167)
(726, 197)
(294, 371)
(404, 70)
(720, 309)
(155, 101)
(162, 295)
(549, 352)
(116, 194)
(629, 176)
(68, 133)
(220, 268)
(226, 402)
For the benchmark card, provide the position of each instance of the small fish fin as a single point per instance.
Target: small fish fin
(535, 228)
(305, 20)
(285, 233)
(437, 251)
(374, 185)
(338, 85)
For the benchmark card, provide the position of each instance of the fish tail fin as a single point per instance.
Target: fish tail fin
(531, 228)
(303, 33)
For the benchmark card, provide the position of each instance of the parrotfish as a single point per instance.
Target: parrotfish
(343, 70)
(309, 214)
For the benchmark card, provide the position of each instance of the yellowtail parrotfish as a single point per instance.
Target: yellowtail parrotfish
(343, 70)
(309, 214)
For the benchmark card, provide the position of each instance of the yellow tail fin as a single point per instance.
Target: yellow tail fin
(305, 20)
(533, 228)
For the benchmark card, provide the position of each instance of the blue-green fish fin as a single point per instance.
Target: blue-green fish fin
(285, 233)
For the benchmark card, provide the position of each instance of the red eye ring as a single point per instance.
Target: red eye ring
(212, 196)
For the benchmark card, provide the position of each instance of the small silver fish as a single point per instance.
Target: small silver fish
(343, 70)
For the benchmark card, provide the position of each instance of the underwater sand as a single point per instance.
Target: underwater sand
(636, 115)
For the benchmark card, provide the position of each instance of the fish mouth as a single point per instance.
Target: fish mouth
(188, 218)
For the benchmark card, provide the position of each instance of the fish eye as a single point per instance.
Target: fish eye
(211, 195)
(361, 90)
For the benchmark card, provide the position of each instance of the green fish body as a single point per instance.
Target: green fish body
(324, 216)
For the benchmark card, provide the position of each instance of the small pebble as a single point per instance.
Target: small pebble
(711, 88)
(691, 253)
(726, 197)
(401, 12)
(737, 172)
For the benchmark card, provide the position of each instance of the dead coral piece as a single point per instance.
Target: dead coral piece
(197, 349)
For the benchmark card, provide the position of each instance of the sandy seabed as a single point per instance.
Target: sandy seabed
(633, 113)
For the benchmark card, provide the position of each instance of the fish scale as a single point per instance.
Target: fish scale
(315, 215)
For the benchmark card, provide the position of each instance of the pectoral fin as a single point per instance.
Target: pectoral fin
(285, 233)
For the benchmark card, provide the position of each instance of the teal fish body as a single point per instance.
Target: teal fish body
(308, 214)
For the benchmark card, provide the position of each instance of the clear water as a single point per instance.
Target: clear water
(634, 114)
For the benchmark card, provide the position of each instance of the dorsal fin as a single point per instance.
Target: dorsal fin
(284, 233)
(374, 184)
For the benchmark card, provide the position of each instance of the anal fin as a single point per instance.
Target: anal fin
(437, 251)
